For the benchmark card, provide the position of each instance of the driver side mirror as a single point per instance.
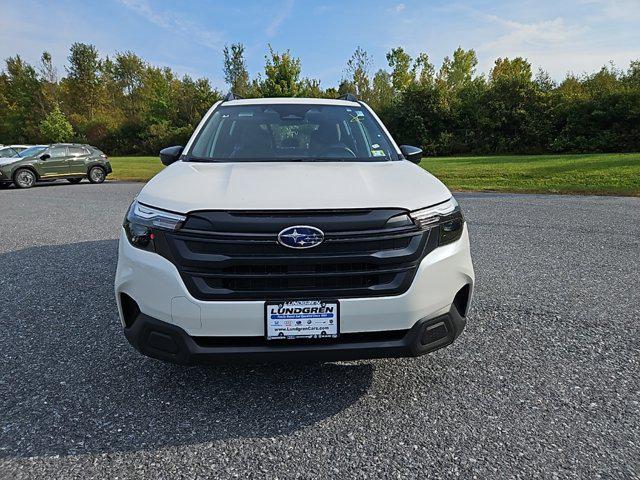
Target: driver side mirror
(170, 154)
(45, 156)
(413, 154)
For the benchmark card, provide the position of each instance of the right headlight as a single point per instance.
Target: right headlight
(446, 215)
(141, 222)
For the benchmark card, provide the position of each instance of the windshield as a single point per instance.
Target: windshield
(296, 132)
(7, 152)
(31, 152)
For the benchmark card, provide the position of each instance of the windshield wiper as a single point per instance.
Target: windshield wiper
(258, 159)
(315, 159)
(199, 160)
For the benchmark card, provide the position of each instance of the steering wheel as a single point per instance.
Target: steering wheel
(337, 151)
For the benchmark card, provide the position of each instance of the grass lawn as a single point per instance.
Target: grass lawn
(594, 174)
(139, 169)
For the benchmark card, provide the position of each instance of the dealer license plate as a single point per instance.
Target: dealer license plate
(302, 319)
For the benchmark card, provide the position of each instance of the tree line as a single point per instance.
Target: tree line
(124, 105)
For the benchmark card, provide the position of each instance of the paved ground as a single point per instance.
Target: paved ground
(543, 383)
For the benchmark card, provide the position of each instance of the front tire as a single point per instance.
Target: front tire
(74, 181)
(97, 175)
(24, 178)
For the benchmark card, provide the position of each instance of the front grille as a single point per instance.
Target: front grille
(235, 255)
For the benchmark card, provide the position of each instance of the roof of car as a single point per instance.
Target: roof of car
(291, 101)
(69, 144)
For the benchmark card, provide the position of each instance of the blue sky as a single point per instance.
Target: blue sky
(561, 36)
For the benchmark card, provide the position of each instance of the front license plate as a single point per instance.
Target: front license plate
(301, 319)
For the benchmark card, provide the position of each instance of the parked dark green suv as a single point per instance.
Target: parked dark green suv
(70, 161)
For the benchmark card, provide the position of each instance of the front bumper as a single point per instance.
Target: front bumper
(165, 341)
(164, 302)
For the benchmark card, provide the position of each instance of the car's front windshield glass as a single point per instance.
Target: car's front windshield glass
(291, 132)
(7, 152)
(30, 152)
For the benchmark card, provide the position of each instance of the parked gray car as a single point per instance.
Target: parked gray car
(70, 161)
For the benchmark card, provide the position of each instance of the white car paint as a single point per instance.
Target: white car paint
(9, 160)
(186, 186)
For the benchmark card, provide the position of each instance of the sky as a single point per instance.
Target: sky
(561, 36)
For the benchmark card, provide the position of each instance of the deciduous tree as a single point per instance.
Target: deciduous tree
(235, 69)
(282, 75)
(55, 127)
(357, 71)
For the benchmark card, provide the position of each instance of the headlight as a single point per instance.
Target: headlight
(141, 221)
(447, 216)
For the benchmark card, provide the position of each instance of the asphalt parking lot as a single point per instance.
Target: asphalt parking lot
(543, 383)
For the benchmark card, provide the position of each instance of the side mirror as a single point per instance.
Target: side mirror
(45, 156)
(170, 154)
(413, 154)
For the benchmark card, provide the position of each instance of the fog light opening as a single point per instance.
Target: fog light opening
(130, 309)
(461, 300)
(434, 333)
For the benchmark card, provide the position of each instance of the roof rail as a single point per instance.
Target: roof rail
(231, 96)
(349, 97)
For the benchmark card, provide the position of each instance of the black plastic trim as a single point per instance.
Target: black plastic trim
(349, 97)
(164, 341)
(231, 96)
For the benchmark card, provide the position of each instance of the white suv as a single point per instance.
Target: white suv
(292, 228)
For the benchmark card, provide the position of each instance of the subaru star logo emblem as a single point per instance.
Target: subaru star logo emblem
(300, 236)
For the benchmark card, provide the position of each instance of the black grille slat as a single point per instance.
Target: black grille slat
(286, 288)
(358, 258)
(289, 273)
(382, 257)
(268, 237)
(274, 248)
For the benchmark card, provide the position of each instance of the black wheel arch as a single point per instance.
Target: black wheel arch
(96, 164)
(24, 167)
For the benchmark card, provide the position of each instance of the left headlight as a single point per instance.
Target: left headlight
(141, 221)
(447, 216)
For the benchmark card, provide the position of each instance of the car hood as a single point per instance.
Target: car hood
(187, 186)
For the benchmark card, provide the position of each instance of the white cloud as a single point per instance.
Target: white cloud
(626, 10)
(552, 44)
(399, 7)
(561, 63)
(174, 23)
(516, 35)
(285, 11)
(549, 37)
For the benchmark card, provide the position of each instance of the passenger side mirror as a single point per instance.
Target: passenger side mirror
(170, 154)
(45, 156)
(413, 154)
